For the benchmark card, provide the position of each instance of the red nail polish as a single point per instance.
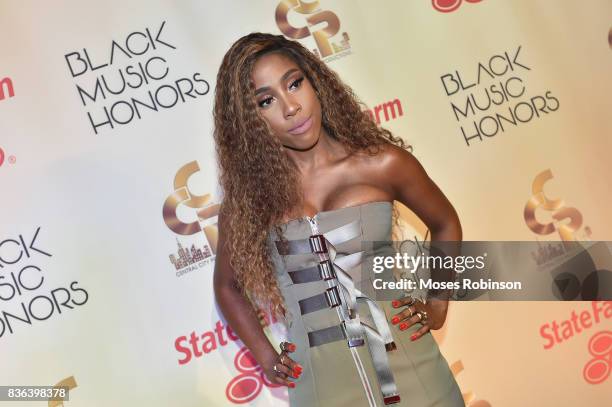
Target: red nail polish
(403, 326)
(291, 384)
(298, 369)
(413, 337)
(291, 347)
(395, 319)
(395, 303)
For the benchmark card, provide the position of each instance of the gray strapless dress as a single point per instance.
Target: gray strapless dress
(350, 354)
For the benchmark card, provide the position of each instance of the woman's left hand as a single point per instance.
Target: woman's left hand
(430, 315)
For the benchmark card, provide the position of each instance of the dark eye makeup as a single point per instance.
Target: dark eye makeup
(294, 84)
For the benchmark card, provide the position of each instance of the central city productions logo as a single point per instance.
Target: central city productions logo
(571, 262)
(446, 6)
(326, 49)
(205, 223)
(557, 206)
(68, 383)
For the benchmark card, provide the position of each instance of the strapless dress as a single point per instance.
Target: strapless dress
(351, 354)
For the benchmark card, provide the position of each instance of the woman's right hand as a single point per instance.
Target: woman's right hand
(285, 366)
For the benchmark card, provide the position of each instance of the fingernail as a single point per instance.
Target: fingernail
(291, 347)
(295, 375)
(403, 326)
(395, 303)
(413, 337)
(298, 369)
(395, 319)
(291, 384)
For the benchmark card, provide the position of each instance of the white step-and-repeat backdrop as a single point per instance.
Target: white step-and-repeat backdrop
(109, 186)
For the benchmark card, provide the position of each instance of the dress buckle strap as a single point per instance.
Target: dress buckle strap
(317, 244)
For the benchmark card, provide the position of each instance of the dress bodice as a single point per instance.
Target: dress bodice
(343, 340)
(324, 272)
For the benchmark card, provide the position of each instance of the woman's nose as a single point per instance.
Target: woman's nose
(291, 107)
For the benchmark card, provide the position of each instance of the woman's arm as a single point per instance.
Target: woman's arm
(410, 184)
(241, 316)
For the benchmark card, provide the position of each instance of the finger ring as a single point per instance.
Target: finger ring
(276, 369)
(287, 346)
(422, 316)
(411, 311)
(281, 359)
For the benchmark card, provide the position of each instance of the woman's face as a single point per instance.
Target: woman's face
(287, 101)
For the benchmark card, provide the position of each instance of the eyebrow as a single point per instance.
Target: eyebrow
(265, 88)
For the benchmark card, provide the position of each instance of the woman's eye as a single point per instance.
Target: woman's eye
(265, 102)
(296, 83)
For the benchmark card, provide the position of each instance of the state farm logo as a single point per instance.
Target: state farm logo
(325, 48)
(204, 225)
(6, 88)
(560, 331)
(10, 159)
(446, 6)
(389, 110)
(597, 370)
(249, 383)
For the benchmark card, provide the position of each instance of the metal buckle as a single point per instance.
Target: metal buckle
(326, 270)
(332, 296)
(354, 342)
(317, 244)
(391, 346)
(391, 399)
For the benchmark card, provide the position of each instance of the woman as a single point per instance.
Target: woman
(307, 176)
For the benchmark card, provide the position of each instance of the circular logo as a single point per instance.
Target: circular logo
(249, 383)
(446, 6)
(243, 388)
(597, 370)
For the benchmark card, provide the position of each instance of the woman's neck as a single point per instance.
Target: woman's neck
(325, 151)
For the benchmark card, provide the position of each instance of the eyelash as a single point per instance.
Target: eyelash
(297, 83)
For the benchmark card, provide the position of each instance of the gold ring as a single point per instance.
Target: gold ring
(422, 316)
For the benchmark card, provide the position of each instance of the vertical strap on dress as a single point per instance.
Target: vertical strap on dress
(379, 339)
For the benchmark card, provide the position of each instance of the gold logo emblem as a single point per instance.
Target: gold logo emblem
(204, 209)
(557, 206)
(314, 16)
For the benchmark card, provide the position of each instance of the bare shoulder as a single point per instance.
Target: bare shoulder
(393, 165)
(393, 156)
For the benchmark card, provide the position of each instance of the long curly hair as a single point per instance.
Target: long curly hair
(260, 182)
